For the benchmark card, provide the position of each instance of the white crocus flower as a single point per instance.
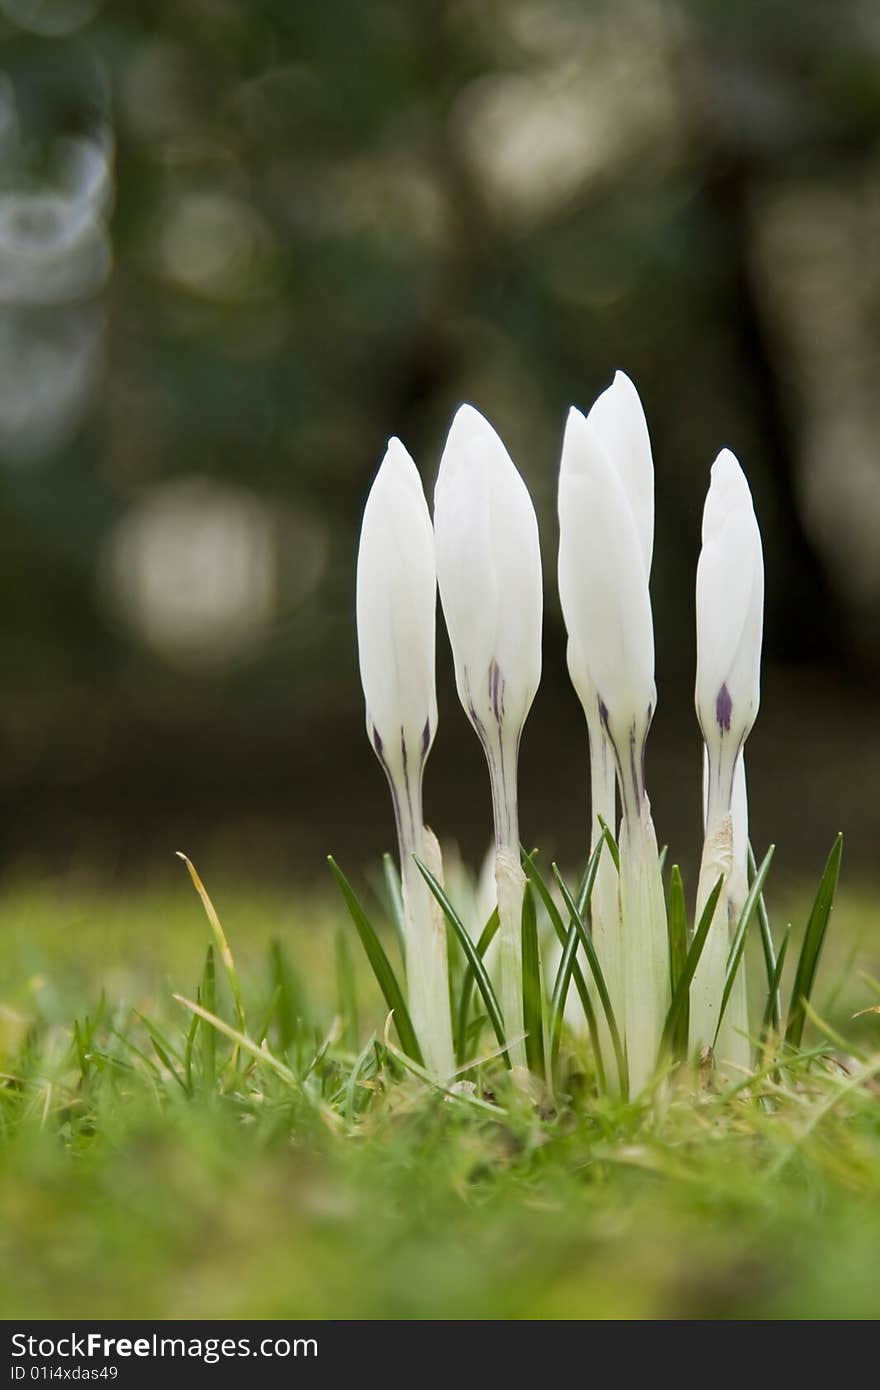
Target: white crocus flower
(604, 558)
(489, 572)
(730, 614)
(396, 614)
(619, 421)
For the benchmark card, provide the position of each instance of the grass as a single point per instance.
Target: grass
(153, 1166)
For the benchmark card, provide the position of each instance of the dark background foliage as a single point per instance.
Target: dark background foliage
(290, 230)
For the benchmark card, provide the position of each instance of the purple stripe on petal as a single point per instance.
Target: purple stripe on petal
(495, 690)
(724, 709)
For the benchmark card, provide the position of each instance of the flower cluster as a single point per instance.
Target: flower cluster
(483, 553)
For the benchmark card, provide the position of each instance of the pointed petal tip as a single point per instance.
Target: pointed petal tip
(469, 422)
(622, 380)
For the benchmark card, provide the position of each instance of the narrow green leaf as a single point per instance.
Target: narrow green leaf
(533, 1015)
(291, 1011)
(568, 966)
(771, 1015)
(394, 894)
(357, 1070)
(208, 1000)
(808, 961)
(593, 962)
(584, 894)
(682, 989)
(484, 984)
(676, 926)
(219, 938)
(768, 949)
(612, 844)
(164, 1051)
(737, 946)
(191, 1033)
(380, 964)
(487, 935)
(557, 1008)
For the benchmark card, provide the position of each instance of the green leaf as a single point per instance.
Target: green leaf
(808, 961)
(676, 926)
(681, 996)
(772, 1018)
(207, 997)
(593, 962)
(291, 1005)
(557, 1008)
(394, 894)
(768, 949)
(484, 984)
(737, 946)
(467, 984)
(164, 1050)
(612, 844)
(584, 894)
(533, 1016)
(220, 940)
(379, 963)
(568, 965)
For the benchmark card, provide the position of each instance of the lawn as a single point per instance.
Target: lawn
(148, 1168)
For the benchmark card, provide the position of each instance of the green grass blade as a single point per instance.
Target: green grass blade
(220, 940)
(164, 1050)
(379, 963)
(584, 895)
(207, 997)
(557, 1008)
(738, 945)
(484, 984)
(264, 1057)
(533, 1014)
(772, 1017)
(346, 992)
(487, 935)
(191, 1034)
(682, 989)
(394, 894)
(593, 962)
(569, 967)
(291, 1010)
(768, 948)
(612, 844)
(676, 925)
(351, 1086)
(808, 961)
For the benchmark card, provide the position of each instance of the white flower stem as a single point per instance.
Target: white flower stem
(427, 972)
(605, 901)
(643, 913)
(733, 1045)
(510, 885)
(708, 982)
(707, 987)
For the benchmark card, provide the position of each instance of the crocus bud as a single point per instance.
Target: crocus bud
(618, 422)
(730, 615)
(730, 608)
(489, 571)
(396, 613)
(606, 533)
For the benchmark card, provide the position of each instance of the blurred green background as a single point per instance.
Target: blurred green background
(242, 244)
